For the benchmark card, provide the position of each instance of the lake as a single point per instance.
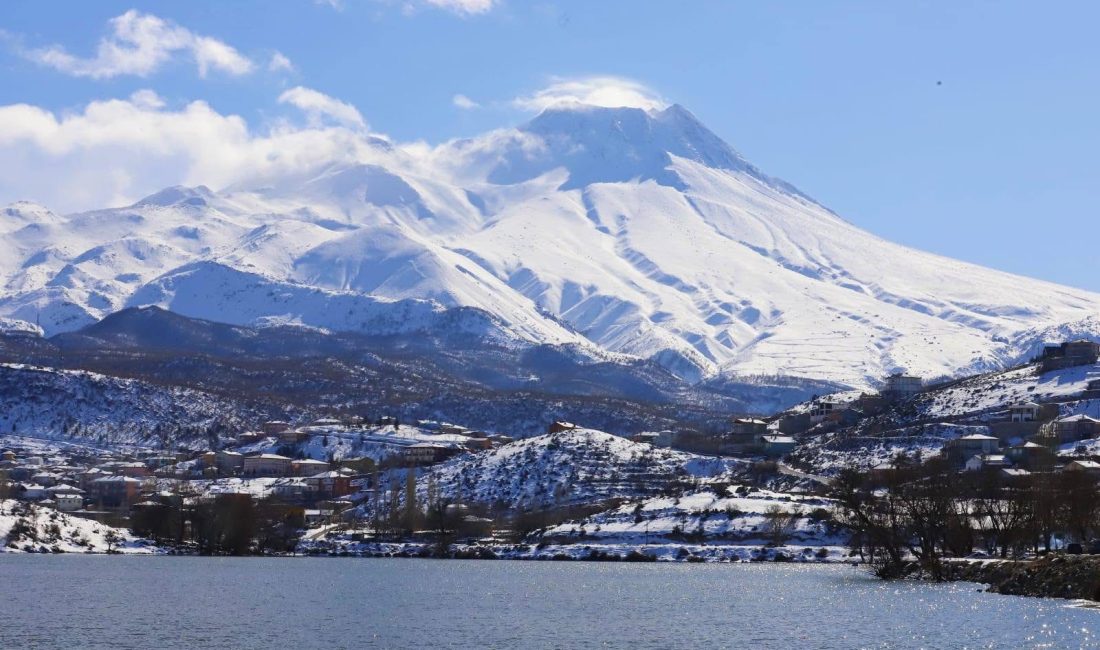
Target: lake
(88, 601)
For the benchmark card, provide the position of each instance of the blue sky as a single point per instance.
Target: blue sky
(967, 129)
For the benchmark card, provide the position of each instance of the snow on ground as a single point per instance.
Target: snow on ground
(648, 211)
(577, 466)
(729, 525)
(339, 442)
(1090, 447)
(30, 528)
(733, 515)
(831, 452)
(99, 409)
(996, 391)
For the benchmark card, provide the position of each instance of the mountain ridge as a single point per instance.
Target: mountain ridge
(617, 231)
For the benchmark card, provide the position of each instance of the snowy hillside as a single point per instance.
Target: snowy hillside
(569, 467)
(732, 520)
(89, 407)
(28, 528)
(613, 230)
(922, 425)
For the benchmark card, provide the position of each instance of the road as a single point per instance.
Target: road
(790, 471)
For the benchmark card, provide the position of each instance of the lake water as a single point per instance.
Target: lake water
(73, 601)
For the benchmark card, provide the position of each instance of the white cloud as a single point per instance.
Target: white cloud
(594, 91)
(146, 99)
(279, 63)
(464, 102)
(338, 5)
(464, 7)
(318, 106)
(113, 152)
(139, 44)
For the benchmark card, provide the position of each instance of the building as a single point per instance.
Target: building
(1072, 428)
(291, 489)
(745, 436)
(777, 445)
(291, 436)
(447, 428)
(330, 484)
(479, 444)
(901, 387)
(748, 427)
(823, 410)
(361, 464)
(116, 491)
(274, 427)
(962, 449)
(986, 461)
(317, 517)
(67, 498)
(248, 437)
(1023, 412)
(558, 426)
(308, 467)
(266, 465)
(1030, 456)
(1069, 354)
(426, 453)
(229, 462)
(1089, 467)
(30, 492)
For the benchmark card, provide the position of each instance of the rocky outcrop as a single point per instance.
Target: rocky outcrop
(1054, 576)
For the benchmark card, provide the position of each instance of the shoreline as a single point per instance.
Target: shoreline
(666, 553)
(1070, 577)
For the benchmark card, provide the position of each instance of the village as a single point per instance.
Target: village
(116, 487)
(314, 479)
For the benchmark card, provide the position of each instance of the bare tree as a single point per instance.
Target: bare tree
(779, 523)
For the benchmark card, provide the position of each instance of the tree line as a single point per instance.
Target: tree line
(225, 524)
(919, 514)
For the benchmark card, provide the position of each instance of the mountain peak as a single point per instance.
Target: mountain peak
(599, 144)
(180, 195)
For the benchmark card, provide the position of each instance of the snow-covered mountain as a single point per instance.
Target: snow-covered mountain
(616, 231)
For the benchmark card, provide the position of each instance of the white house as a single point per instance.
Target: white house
(266, 465)
(1024, 412)
(69, 501)
(986, 461)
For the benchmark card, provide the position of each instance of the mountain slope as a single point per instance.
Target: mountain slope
(614, 231)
